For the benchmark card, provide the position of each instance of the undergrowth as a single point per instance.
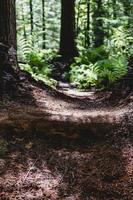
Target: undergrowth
(97, 67)
(36, 61)
(101, 67)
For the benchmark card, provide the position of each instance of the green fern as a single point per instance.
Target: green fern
(24, 48)
(112, 69)
(102, 73)
(121, 42)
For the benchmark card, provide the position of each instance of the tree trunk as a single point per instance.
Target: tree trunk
(98, 23)
(31, 16)
(78, 18)
(7, 23)
(88, 24)
(67, 37)
(128, 10)
(43, 24)
(8, 44)
(23, 18)
(114, 9)
(8, 58)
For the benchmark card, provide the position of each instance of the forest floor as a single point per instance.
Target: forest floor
(55, 168)
(38, 165)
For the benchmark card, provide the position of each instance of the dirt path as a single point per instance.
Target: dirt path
(58, 113)
(53, 168)
(43, 164)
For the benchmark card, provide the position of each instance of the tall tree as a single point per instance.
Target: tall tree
(67, 37)
(43, 24)
(88, 23)
(98, 23)
(78, 18)
(31, 16)
(23, 18)
(8, 59)
(114, 3)
(8, 44)
(128, 10)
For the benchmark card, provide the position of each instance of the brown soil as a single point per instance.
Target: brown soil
(36, 166)
(55, 168)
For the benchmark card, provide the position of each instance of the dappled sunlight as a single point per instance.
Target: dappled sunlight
(66, 100)
(55, 169)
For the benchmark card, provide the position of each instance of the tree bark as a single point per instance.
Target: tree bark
(8, 44)
(77, 20)
(23, 18)
(43, 24)
(128, 10)
(67, 37)
(88, 23)
(8, 23)
(114, 9)
(98, 23)
(31, 16)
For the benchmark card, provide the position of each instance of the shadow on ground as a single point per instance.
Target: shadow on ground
(55, 168)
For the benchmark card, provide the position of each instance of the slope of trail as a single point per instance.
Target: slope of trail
(54, 110)
(65, 147)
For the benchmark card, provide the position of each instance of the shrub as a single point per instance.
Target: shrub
(101, 67)
(37, 63)
(97, 68)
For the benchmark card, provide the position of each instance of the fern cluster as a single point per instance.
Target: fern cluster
(96, 68)
(101, 67)
(36, 61)
(121, 42)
